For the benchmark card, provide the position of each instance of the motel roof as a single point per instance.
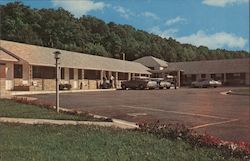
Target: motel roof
(238, 65)
(43, 56)
(6, 57)
(151, 61)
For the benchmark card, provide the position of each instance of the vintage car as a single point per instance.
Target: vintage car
(136, 83)
(204, 83)
(161, 83)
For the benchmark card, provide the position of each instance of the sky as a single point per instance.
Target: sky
(213, 23)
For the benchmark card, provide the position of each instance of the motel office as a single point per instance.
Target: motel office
(32, 68)
(231, 72)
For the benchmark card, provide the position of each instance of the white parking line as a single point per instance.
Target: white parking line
(177, 112)
(216, 123)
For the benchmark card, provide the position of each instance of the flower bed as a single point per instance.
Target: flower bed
(180, 132)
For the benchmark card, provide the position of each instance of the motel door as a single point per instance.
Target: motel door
(2, 71)
(2, 76)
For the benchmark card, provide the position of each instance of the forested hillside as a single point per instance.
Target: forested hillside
(60, 29)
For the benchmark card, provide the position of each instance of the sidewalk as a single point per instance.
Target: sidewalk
(116, 123)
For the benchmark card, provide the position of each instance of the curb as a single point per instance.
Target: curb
(55, 122)
(115, 122)
(126, 123)
(239, 94)
(62, 122)
(17, 93)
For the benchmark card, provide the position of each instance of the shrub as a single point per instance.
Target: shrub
(180, 132)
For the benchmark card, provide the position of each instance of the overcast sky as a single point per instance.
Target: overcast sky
(213, 23)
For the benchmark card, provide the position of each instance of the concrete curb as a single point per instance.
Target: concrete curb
(17, 93)
(235, 93)
(115, 122)
(126, 123)
(62, 122)
(230, 92)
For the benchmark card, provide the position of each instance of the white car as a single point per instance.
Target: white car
(204, 83)
(152, 84)
(158, 83)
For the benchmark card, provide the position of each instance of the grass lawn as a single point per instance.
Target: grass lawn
(10, 108)
(64, 143)
(242, 91)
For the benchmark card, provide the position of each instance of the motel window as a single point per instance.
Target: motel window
(62, 73)
(236, 74)
(79, 74)
(71, 73)
(18, 71)
(92, 74)
(213, 76)
(193, 77)
(36, 72)
(203, 75)
(44, 72)
(122, 76)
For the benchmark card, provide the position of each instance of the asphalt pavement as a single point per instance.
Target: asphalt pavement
(204, 110)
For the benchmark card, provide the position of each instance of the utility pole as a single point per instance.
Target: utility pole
(57, 53)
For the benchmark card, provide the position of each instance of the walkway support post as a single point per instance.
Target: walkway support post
(57, 53)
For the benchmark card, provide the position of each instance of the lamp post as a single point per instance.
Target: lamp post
(57, 53)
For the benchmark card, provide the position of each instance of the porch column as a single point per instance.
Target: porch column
(133, 75)
(179, 78)
(9, 76)
(225, 78)
(30, 74)
(102, 75)
(66, 75)
(116, 80)
(75, 78)
(129, 76)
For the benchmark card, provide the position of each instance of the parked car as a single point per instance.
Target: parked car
(204, 83)
(65, 86)
(152, 84)
(136, 83)
(161, 83)
(105, 85)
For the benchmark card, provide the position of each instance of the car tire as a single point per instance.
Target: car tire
(168, 87)
(124, 87)
(141, 87)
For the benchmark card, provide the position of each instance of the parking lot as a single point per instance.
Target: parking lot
(205, 110)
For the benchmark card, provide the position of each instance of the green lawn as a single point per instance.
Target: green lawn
(10, 108)
(64, 143)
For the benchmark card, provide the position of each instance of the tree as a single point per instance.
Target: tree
(58, 28)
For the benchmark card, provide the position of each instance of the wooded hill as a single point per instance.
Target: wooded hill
(60, 29)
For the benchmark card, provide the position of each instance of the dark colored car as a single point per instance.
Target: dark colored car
(136, 83)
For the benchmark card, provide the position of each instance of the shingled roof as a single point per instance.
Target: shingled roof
(150, 61)
(43, 56)
(6, 57)
(212, 66)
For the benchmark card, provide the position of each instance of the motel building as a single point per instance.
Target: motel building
(26, 67)
(31, 68)
(231, 72)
